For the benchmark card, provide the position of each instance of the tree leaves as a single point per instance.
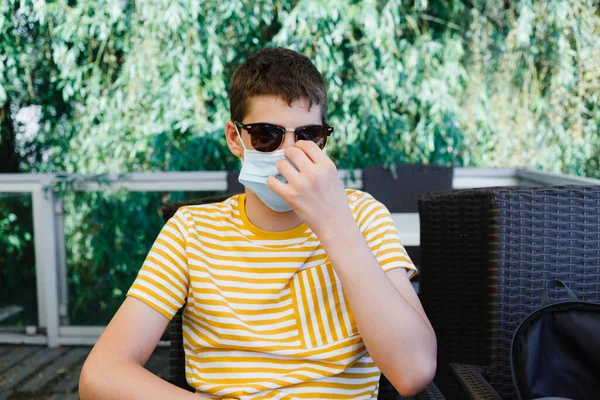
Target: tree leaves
(443, 72)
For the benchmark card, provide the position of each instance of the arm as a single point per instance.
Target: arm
(114, 369)
(387, 311)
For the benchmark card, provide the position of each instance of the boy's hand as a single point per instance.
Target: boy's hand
(315, 192)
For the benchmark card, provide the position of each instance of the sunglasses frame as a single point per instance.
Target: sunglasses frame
(283, 130)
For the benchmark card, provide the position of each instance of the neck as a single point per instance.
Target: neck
(266, 219)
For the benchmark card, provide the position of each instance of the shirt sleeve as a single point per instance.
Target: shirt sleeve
(163, 280)
(378, 228)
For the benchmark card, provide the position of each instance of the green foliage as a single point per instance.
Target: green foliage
(29, 76)
(17, 258)
(142, 86)
(109, 235)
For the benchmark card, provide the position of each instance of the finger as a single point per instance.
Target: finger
(314, 152)
(278, 187)
(299, 158)
(286, 169)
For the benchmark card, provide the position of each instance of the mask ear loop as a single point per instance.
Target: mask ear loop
(239, 136)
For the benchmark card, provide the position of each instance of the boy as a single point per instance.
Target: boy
(261, 274)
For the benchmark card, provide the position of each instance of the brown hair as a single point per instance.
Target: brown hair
(279, 72)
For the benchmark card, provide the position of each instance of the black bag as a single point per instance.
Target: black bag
(556, 350)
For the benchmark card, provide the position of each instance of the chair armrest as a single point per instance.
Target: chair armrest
(473, 382)
(430, 393)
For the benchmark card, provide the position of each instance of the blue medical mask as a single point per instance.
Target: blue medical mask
(256, 168)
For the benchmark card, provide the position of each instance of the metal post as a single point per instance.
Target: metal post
(63, 288)
(45, 260)
(37, 203)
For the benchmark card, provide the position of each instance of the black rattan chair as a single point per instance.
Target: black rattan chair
(484, 254)
(174, 332)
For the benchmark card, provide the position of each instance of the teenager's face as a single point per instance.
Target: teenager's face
(275, 111)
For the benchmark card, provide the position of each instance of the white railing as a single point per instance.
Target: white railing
(49, 241)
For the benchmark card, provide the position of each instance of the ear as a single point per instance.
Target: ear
(233, 141)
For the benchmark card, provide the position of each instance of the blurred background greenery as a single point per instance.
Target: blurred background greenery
(119, 86)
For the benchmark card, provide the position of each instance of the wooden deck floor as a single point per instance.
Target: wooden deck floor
(37, 372)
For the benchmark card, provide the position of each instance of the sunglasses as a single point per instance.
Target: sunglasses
(269, 137)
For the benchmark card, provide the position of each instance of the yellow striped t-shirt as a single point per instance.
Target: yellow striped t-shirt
(265, 314)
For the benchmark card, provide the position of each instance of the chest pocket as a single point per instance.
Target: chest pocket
(322, 310)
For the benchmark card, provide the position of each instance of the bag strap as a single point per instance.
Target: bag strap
(556, 283)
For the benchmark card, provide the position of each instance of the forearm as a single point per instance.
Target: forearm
(400, 341)
(127, 380)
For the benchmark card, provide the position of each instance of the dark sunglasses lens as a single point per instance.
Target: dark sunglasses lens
(316, 133)
(265, 137)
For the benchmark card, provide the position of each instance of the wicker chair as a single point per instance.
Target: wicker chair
(484, 254)
(175, 333)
